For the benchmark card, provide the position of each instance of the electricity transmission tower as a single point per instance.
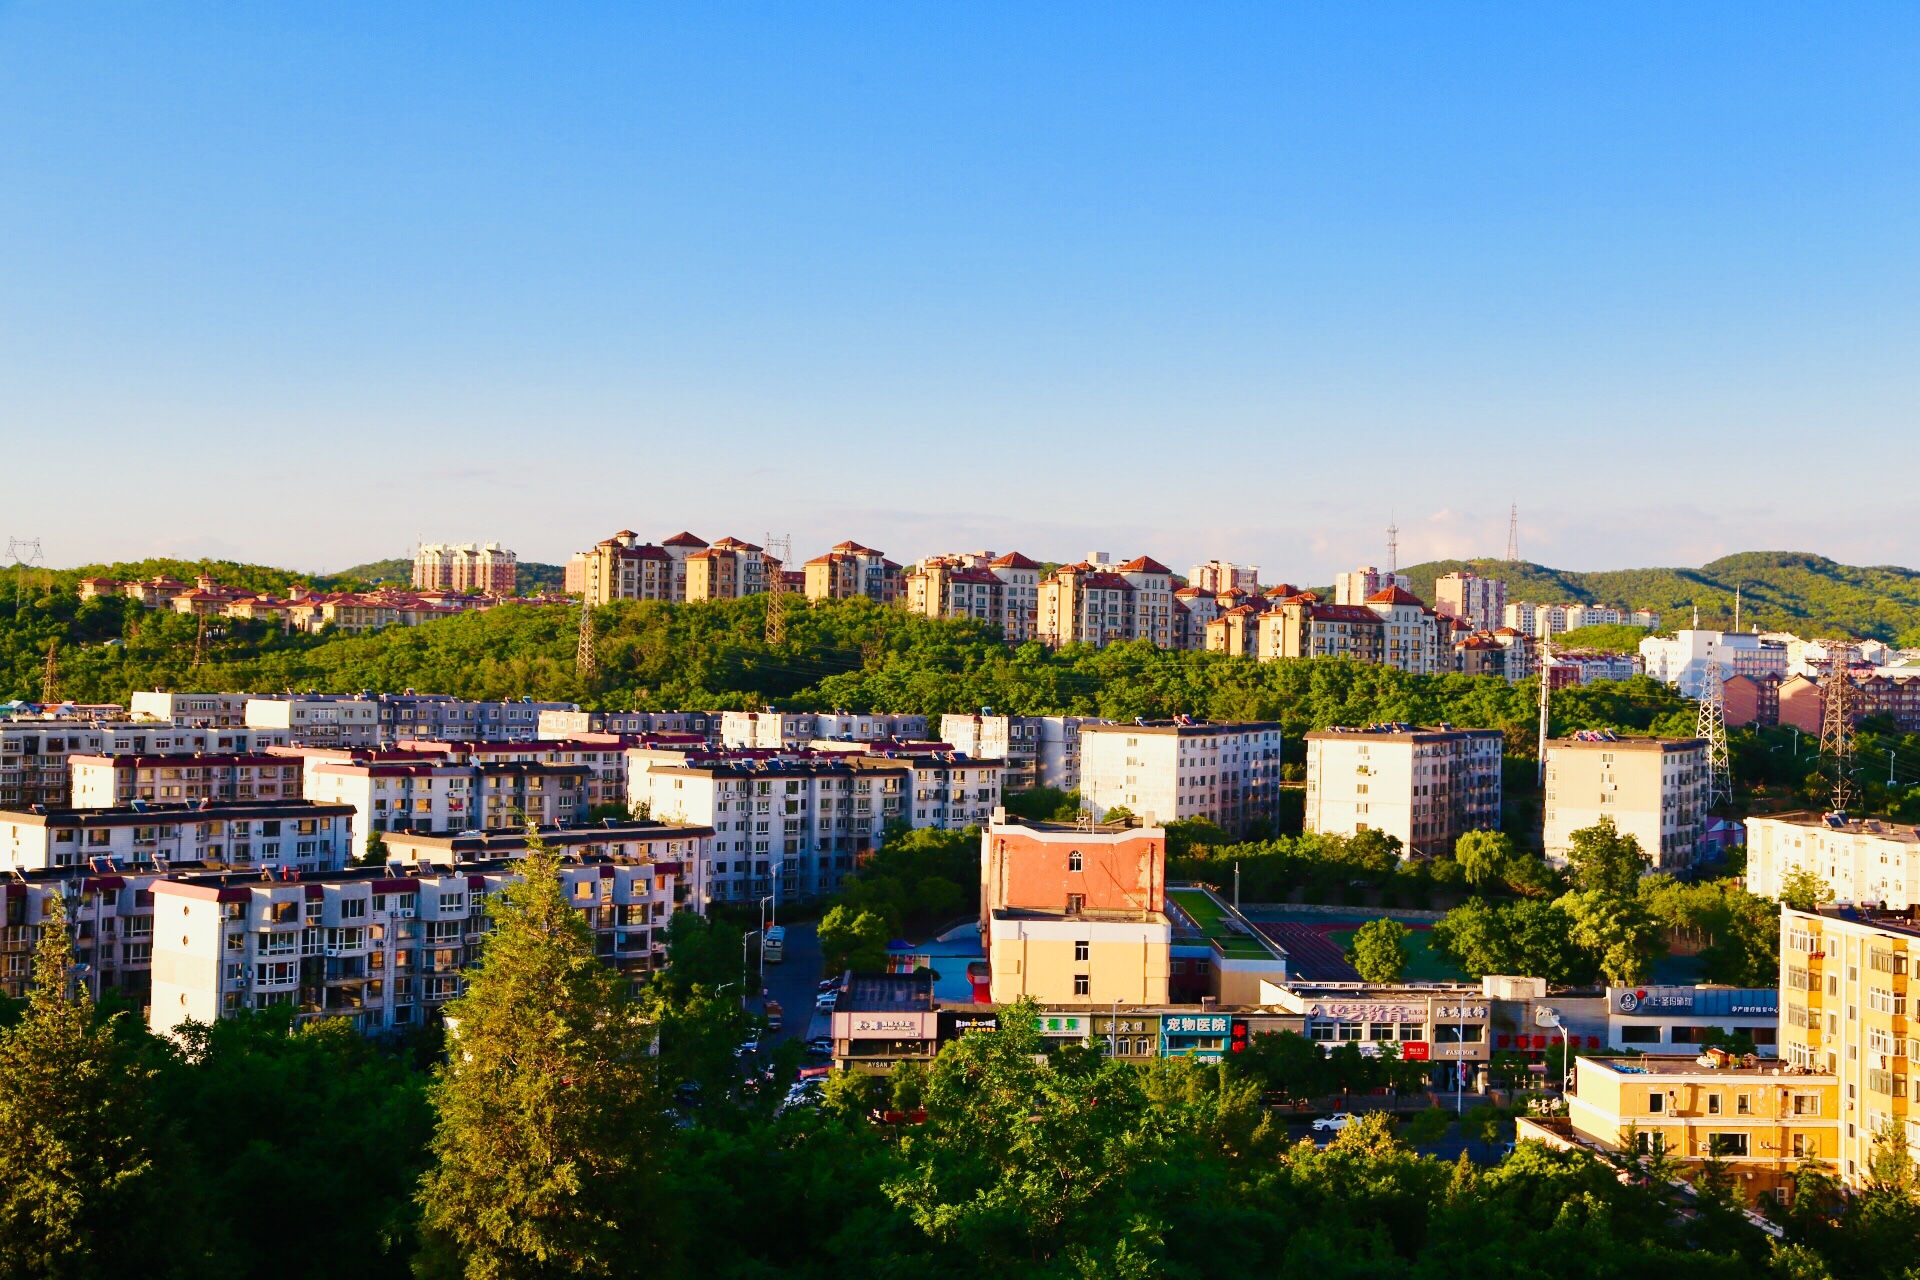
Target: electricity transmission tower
(1836, 721)
(781, 550)
(50, 677)
(583, 659)
(1513, 534)
(25, 554)
(1712, 726)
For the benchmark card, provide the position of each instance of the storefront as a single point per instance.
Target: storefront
(1195, 1035)
(1685, 1019)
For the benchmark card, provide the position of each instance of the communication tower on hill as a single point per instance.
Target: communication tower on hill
(1393, 550)
(1836, 721)
(1513, 534)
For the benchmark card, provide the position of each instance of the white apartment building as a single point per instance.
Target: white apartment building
(1547, 620)
(1865, 861)
(318, 719)
(794, 829)
(102, 781)
(1424, 787)
(1479, 602)
(951, 792)
(1364, 583)
(576, 724)
(1172, 770)
(794, 730)
(264, 834)
(1682, 660)
(1037, 751)
(190, 710)
(35, 754)
(385, 948)
(437, 717)
(425, 795)
(1654, 789)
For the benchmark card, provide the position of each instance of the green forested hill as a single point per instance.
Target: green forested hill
(1784, 590)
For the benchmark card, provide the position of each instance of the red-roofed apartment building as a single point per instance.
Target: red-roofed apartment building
(852, 570)
(621, 568)
(979, 585)
(1096, 602)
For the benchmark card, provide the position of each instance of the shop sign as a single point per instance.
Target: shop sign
(1415, 1051)
(1458, 1012)
(1361, 1011)
(1193, 1024)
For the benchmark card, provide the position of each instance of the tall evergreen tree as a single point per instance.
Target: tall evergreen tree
(549, 1138)
(77, 1166)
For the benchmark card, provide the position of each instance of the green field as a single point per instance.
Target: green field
(1207, 914)
(1422, 964)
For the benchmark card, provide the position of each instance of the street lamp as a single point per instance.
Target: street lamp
(745, 938)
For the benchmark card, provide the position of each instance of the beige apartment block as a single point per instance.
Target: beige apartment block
(1863, 860)
(1845, 974)
(729, 570)
(101, 781)
(486, 567)
(1654, 789)
(1479, 602)
(1302, 627)
(621, 568)
(1411, 632)
(1424, 787)
(1364, 583)
(853, 570)
(1098, 603)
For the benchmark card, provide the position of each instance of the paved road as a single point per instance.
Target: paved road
(793, 982)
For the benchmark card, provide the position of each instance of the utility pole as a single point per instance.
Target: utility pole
(1546, 657)
(1513, 534)
(1712, 726)
(1836, 721)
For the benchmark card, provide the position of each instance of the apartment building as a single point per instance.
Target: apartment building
(1302, 627)
(1410, 632)
(1866, 861)
(190, 710)
(1565, 668)
(486, 567)
(1096, 602)
(729, 570)
(853, 570)
(1683, 659)
(1193, 608)
(1544, 621)
(386, 948)
(800, 825)
(318, 719)
(1002, 590)
(435, 716)
(1844, 978)
(109, 917)
(1654, 789)
(36, 754)
(1037, 751)
(1365, 583)
(1751, 700)
(1424, 787)
(1167, 770)
(794, 730)
(950, 791)
(264, 833)
(1236, 632)
(1224, 575)
(575, 724)
(1075, 916)
(388, 794)
(103, 781)
(1762, 1120)
(623, 568)
(1479, 602)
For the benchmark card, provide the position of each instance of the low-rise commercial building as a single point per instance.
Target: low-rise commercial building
(1653, 789)
(1667, 1019)
(1446, 1024)
(1424, 787)
(1762, 1120)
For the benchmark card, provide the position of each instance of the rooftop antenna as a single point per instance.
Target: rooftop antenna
(1836, 721)
(1513, 534)
(25, 553)
(1393, 549)
(1736, 606)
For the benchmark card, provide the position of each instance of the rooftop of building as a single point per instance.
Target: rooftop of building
(1014, 560)
(683, 539)
(1184, 726)
(1706, 1064)
(1002, 819)
(1608, 740)
(1396, 731)
(1886, 828)
(1093, 915)
(1394, 595)
(199, 759)
(1222, 925)
(150, 811)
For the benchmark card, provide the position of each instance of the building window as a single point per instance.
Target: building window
(1073, 861)
(1656, 1103)
(1081, 949)
(1082, 984)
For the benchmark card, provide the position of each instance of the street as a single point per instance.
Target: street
(795, 981)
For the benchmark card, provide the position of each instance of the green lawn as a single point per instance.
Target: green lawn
(1422, 965)
(1211, 919)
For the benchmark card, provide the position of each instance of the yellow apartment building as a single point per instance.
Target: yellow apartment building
(1762, 1118)
(1654, 789)
(1843, 997)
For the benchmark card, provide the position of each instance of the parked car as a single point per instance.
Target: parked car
(821, 1045)
(747, 1047)
(1333, 1123)
(826, 1000)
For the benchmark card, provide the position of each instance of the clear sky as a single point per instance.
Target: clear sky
(304, 283)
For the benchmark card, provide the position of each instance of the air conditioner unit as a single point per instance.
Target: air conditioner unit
(334, 951)
(403, 913)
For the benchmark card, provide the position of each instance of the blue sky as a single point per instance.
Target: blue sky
(303, 284)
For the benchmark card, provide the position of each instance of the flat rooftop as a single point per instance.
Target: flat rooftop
(1651, 1065)
(1217, 922)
